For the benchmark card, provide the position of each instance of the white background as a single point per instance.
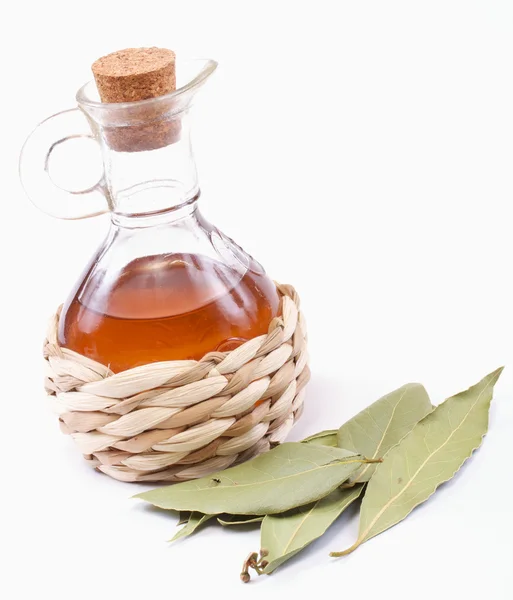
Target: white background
(362, 151)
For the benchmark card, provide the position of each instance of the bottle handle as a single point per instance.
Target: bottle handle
(34, 169)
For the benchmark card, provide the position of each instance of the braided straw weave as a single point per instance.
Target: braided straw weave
(179, 420)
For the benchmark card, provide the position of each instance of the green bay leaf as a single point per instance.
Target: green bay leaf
(195, 520)
(378, 428)
(229, 520)
(323, 438)
(428, 456)
(290, 475)
(286, 534)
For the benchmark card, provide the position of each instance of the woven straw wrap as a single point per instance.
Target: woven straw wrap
(179, 420)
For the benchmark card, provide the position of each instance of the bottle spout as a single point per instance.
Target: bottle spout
(191, 74)
(150, 123)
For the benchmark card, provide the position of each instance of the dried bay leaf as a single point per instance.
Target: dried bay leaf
(378, 428)
(428, 456)
(284, 535)
(229, 520)
(323, 438)
(195, 520)
(292, 474)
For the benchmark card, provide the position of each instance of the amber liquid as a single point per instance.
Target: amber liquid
(168, 307)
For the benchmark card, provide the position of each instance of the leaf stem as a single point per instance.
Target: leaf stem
(348, 551)
(253, 562)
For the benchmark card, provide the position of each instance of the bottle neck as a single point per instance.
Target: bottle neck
(173, 215)
(152, 182)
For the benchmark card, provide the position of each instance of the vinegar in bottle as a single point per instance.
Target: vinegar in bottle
(168, 307)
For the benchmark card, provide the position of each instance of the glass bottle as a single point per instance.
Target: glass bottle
(165, 284)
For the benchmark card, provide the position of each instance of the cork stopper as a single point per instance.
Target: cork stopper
(137, 74)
